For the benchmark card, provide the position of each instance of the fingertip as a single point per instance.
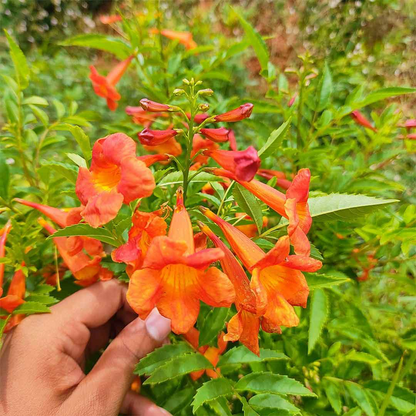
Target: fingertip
(157, 326)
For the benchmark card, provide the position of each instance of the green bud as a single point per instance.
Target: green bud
(178, 92)
(198, 83)
(203, 107)
(185, 81)
(208, 92)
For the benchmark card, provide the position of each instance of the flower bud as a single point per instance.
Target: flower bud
(203, 107)
(216, 135)
(207, 92)
(178, 92)
(198, 83)
(240, 113)
(153, 106)
(149, 137)
(185, 81)
(361, 120)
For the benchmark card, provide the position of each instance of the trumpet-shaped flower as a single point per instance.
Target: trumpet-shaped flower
(184, 38)
(116, 176)
(293, 205)
(142, 117)
(199, 144)
(242, 164)
(212, 354)
(217, 135)
(281, 180)
(106, 86)
(276, 276)
(146, 226)
(171, 147)
(153, 106)
(239, 113)
(155, 137)
(360, 119)
(174, 277)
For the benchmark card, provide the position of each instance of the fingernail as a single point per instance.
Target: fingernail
(164, 412)
(157, 326)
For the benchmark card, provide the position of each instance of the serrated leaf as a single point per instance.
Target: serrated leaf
(158, 357)
(29, 308)
(220, 406)
(318, 317)
(102, 42)
(333, 394)
(213, 323)
(275, 140)
(179, 366)
(249, 204)
(362, 398)
(242, 355)
(43, 289)
(44, 299)
(272, 383)
(325, 89)
(176, 178)
(180, 400)
(87, 231)
(255, 40)
(211, 390)
(382, 94)
(272, 401)
(319, 281)
(19, 62)
(5, 177)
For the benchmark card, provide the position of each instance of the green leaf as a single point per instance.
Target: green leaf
(179, 366)
(5, 177)
(77, 159)
(318, 317)
(220, 407)
(272, 383)
(176, 178)
(43, 289)
(102, 42)
(180, 400)
(44, 299)
(211, 390)
(29, 308)
(87, 231)
(319, 281)
(325, 89)
(382, 94)
(272, 401)
(249, 204)
(242, 355)
(275, 140)
(60, 108)
(159, 357)
(213, 323)
(255, 40)
(40, 114)
(19, 62)
(333, 394)
(361, 357)
(64, 169)
(35, 100)
(362, 398)
(81, 138)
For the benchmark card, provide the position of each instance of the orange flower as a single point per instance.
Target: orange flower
(217, 135)
(185, 38)
(250, 230)
(85, 268)
(240, 113)
(108, 20)
(276, 276)
(293, 205)
(282, 182)
(232, 140)
(199, 118)
(245, 325)
(112, 179)
(198, 144)
(4, 233)
(15, 297)
(243, 164)
(153, 106)
(149, 160)
(174, 277)
(212, 354)
(155, 137)
(106, 86)
(142, 117)
(171, 147)
(146, 226)
(361, 120)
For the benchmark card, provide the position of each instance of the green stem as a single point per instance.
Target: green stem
(391, 389)
(224, 198)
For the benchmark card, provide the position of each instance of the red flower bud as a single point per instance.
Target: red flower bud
(240, 113)
(361, 120)
(149, 137)
(199, 118)
(410, 124)
(153, 106)
(292, 100)
(216, 135)
(243, 164)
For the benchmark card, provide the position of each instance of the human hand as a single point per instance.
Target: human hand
(42, 359)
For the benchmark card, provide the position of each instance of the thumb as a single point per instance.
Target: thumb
(110, 379)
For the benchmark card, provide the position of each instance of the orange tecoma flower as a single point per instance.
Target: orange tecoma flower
(184, 38)
(239, 113)
(217, 135)
(106, 86)
(149, 137)
(143, 117)
(112, 179)
(281, 180)
(174, 277)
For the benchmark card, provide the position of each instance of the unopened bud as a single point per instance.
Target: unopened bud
(198, 83)
(185, 81)
(178, 92)
(179, 131)
(203, 107)
(208, 92)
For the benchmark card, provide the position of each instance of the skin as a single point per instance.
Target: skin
(42, 359)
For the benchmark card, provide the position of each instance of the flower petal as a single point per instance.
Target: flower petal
(10, 302)
(305, 264)
(279, 313)
(118, 146)
(56, 215)
(217, 290)
(276, 255)
(164, 251)
(297, 235)
(85, 188)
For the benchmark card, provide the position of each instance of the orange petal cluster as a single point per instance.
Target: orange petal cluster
(174, 277)
(112, 179)
(105, 87)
